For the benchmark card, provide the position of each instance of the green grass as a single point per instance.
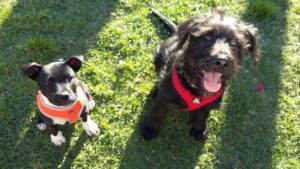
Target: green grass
(118, 38)
(263, 8)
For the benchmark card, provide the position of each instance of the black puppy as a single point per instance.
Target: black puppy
(195, 65)
(61, 97)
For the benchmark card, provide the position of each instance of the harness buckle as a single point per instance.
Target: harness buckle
(71, 112)
(197, 100)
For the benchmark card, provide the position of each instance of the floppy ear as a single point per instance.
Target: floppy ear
(193, 34)
(190, 26)
(75, 62)
(251, 38)
(193, 28)
(31, 70)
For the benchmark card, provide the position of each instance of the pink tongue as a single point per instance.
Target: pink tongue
(212, 81)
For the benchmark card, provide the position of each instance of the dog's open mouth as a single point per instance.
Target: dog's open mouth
(212, 81)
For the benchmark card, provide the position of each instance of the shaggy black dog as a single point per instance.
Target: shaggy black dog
(195, 65)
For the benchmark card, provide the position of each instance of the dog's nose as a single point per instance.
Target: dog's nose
(220, 62)
(64, 97)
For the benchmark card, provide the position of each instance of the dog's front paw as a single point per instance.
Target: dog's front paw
(198, 134)
(90, 127)
(59, 139)
(91, 104)
(41, 126)
(148, 132)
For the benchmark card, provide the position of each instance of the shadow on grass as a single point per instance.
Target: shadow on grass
(74, 151)
(174, 148)
(41, 31)
(249, 129)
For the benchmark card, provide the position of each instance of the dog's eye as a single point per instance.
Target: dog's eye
(69, 78)
(207, 37)
(50, 79)
(233, 43)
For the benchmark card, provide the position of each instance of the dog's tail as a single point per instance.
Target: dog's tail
(171, 26)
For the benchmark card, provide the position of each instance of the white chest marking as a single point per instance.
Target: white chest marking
(58, 121)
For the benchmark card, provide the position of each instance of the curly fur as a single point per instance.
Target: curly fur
(211, 42)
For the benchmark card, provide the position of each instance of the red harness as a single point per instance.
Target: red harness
(193, 102)
(70, 113)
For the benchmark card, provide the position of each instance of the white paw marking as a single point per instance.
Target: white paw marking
(90, 127)
(59, 139)
(41, 126)
(91, 104)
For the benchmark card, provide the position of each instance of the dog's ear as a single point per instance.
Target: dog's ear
(199, 30)
(193, 34)
(31, 70)
(251, 40)
(191, 30)
(75, 62)
(191, 26)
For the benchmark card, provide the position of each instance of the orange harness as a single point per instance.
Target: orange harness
(70, 113)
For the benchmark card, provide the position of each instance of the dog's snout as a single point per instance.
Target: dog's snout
(221, 62)
(64, 97)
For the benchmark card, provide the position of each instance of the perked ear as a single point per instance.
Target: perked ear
(251, 39)
(75, 62)
(31, 70)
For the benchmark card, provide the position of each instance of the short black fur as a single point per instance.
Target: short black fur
(57, 81)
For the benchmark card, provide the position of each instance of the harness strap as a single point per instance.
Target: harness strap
(70, 113)
(193, 102)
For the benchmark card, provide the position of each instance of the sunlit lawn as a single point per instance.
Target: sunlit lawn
(254, 129)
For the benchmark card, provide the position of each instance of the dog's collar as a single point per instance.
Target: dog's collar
(193, 102)
(68, 113)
